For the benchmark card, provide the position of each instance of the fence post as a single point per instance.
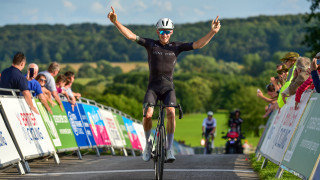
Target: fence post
(20, 168)
(56, 158)
(264, 164)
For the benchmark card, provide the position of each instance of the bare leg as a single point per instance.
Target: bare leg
(147, 122)
(171, 126)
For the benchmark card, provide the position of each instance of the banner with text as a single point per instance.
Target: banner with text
(58, 127)
(140, 132)
(282, 129)
(122, 130)
(132, 133)
(8, 151)
(96, 124)
(303, 151)
(77, 125)
(27, 127)
(111, 127)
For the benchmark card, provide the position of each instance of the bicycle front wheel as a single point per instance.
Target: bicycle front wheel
(160, 153)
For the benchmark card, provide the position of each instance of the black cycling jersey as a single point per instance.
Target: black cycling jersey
(162, 59)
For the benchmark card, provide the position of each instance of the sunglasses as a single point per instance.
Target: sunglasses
(44, 80)
(164, 32)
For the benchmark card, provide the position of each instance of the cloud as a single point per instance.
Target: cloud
(96, 7)
(30, 12)
(163, 5)
(198, 12)
(140, 5)
(117, 6)
(69, 5)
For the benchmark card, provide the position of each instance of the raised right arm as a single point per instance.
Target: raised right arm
(123, 30)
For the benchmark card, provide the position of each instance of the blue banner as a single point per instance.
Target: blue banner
(132, 133)
(77, 125)
(86, 124)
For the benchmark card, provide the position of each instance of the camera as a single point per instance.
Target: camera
(31, 73)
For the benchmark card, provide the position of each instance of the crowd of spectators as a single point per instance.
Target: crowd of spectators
(41, 85)
(295, 75)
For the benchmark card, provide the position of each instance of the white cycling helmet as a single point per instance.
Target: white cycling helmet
(210, 113)
(165, 23)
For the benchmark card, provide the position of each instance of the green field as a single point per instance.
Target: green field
(189, 129)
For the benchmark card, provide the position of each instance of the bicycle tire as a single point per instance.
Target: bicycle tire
(160, 154)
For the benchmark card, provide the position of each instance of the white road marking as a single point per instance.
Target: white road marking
(138, 170)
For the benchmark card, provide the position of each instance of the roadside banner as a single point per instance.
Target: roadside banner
(111, 127)
(132, 133)
(282, 129)
(8, 152)
(77, 125)
(96, 124)
(303, 151)
(140, 133)
(123, 131)
(58, 127)
(27, 127)
(269, 122)
(86, 125)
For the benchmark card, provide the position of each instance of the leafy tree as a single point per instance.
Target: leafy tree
(87, 71)
(198, 63)
(312, 38)
(129, 90)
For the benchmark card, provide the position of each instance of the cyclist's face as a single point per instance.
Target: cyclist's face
(209, 117)
(164, 37)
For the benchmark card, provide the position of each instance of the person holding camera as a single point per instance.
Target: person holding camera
(35, 86)
(315, 76)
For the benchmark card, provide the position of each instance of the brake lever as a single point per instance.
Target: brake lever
(180, 112)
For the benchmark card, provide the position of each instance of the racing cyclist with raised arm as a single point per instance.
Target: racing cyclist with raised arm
(162, 57)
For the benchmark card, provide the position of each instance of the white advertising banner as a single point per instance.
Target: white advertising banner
(140, 132)
(281, 130)
(8, 151)
(27, 127)
(111, 127)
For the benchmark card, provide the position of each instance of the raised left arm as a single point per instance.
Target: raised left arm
(215, 27)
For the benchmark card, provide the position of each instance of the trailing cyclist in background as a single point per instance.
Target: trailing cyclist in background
(208, 129)
(162, 57)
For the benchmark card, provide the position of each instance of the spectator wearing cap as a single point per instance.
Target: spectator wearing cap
(12, 78)
(289, 62)
(53, 71)
(315, 76)
(35, 86)
(299, 77)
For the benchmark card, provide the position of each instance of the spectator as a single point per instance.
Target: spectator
(53, 71)
(68, 90)
(272, 101)
(282, 74)
(70, 75)
(314, 74)
(47, 94)
(289, 63)
(271, 91)
(12, 78)
(35, 86)
(300, 76)
(60, 84)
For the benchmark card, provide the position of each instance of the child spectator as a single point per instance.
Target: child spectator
(70, 75)
(60, 83)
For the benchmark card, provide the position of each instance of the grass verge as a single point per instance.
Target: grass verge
(270, 171)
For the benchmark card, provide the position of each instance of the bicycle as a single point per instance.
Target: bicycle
(158, 155)
(208, 144)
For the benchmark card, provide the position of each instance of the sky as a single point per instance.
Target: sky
(141, 11)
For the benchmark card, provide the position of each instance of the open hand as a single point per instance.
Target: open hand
(314, 65)
(215, 25)
(112, 15)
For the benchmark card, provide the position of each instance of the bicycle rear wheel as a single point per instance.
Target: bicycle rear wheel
(160, 154)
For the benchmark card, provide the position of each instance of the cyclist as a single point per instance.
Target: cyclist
(237, 121)
(162, 57)
(208, 128)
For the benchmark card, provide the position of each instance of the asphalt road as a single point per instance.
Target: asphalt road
(217, 166)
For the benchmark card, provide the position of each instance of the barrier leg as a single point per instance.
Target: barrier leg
(112, 151)
(259, 157)
(125, 152)
(79, 154)
(279, 173)
(26, 166)
(20, 168)
(264, 164)
(133, 153)
(56, 158)
(97, 151)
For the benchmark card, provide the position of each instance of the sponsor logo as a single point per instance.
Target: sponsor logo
(3, 141)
